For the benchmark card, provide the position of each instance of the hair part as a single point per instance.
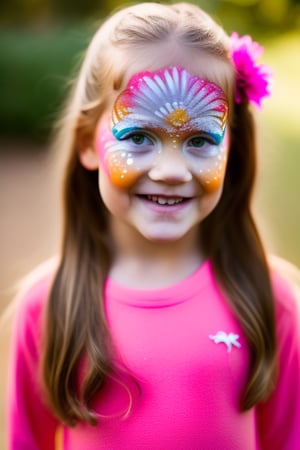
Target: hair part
(76, 327)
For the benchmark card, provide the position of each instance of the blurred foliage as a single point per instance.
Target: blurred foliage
(41, 40)
(258, 12)
(277, 196)
(35, 71)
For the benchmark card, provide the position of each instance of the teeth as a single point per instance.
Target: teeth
(164, 201)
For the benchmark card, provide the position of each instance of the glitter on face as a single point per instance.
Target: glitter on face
(214, 177)
(166, 107)
(117, 158)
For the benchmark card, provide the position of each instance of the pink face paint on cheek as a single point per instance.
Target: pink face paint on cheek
(116, 161)
(103, 139)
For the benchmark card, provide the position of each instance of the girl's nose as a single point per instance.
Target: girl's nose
(171, 167)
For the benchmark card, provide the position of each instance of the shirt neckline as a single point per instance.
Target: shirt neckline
(159, 297)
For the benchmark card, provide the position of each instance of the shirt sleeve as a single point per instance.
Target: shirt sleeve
(278, 419)
(30, 424)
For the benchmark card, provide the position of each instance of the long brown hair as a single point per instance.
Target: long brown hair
(76, 328)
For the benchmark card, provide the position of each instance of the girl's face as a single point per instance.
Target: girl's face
(162, 149)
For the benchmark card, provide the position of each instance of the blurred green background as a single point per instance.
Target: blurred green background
(41, 43)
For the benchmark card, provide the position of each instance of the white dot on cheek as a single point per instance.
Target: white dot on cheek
(129, 161)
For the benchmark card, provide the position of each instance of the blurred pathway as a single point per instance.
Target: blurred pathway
(29, 223)
(29, 212)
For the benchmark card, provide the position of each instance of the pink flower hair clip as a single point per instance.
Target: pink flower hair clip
(253, 80)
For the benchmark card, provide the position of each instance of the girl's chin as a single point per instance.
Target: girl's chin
(164, 236)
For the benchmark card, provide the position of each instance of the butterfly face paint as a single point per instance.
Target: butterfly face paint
(166, 107)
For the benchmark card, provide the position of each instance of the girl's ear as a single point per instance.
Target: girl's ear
(85, 146)
(89, 158)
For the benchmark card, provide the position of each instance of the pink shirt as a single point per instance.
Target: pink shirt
(187, 364)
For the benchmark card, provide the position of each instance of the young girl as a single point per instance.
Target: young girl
(163, 325)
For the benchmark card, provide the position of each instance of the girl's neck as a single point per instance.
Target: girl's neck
(145, 264)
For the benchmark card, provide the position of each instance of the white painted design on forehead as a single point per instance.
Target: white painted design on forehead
(171, 99)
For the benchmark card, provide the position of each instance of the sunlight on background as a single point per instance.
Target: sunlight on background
(279, 128)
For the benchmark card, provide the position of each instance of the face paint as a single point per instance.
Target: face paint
(120, 159)
(168, 106)
(212, 177)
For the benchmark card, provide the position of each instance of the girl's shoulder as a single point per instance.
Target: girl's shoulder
(285, 278)
(278, 417)
(27, 311)
(33, 290)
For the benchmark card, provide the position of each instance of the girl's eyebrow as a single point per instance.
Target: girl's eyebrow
(120, 133)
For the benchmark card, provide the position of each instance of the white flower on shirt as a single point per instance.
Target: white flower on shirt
(230, 339)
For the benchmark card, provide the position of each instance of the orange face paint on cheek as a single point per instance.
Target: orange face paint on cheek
(215, 177)
(117, 163)
(212, 173)
(120, 173)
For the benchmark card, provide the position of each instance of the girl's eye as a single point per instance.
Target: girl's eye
(201, 141)
(197, 142)
(202, 146)
(140, 139)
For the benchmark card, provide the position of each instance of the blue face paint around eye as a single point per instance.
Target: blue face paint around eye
(217, 138)
(119, 134)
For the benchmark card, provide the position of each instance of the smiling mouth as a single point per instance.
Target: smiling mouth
(164, 201)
